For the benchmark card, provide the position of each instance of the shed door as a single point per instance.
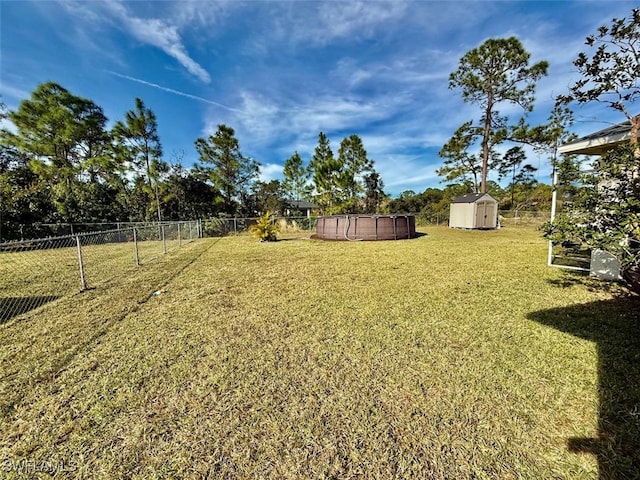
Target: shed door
(485, 214)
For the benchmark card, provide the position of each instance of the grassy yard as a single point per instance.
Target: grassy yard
(454, 355)
(33, 277)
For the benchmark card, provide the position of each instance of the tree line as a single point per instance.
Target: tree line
(61, 164)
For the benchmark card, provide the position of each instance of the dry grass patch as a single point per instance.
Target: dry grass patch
(454, 355)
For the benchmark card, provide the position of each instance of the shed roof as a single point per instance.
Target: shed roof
(599, 142)
(472, 198)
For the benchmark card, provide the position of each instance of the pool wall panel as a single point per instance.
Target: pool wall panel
(366, 227)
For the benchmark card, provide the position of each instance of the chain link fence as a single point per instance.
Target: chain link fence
(519, 218)
(506, 218)
(220, 227)
(23, 231)
(35, 272)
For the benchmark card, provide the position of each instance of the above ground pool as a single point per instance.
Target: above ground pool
(366, 227)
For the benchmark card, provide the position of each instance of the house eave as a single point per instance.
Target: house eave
(595, 146)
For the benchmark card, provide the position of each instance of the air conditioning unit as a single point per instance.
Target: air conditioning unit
(604, 265)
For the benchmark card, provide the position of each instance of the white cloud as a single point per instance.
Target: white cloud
(8, 125)
(402, 172)
(13, 93)
(263, 120)
(270, 171)
(166, 37)
(200, 14)
(333, 20)
(159, 33)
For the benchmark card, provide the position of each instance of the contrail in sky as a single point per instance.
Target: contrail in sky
(175, 92)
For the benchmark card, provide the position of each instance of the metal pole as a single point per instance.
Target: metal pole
(164, 243)
(554, 199)
(179, 236)
(83, 283)
(135, 246)
(235, 226)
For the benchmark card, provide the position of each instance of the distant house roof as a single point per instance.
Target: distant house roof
(599, 142)
(302, 204)
(471, 198)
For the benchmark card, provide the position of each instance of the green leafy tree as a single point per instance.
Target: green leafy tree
(340, 182)
(407, 202)
(548, 138)
(187, 194)
(522, 176)
(496, 72)
(433, 207)
(354, 166)
(64, 138)
(24, 198)
(138, 143)
(268, 197)
(374, 192)
(231, 172)
(606, 214)
(495, 190)
(325, 171)
(523, 186)
(459, 164)
(296, 179)
(611, 73)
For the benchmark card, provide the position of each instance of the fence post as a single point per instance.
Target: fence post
(164, 243)
(179, 236)
(135, 246)
(83, 282)
(235, 226)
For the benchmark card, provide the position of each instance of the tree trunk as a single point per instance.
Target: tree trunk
(485, 143)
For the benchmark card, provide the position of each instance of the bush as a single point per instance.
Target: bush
(606, 215)
(264, 229)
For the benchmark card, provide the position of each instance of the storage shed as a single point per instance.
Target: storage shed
(474, 210)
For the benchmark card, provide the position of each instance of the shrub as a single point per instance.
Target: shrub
(264, 229)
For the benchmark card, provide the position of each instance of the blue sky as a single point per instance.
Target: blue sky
(281, 72)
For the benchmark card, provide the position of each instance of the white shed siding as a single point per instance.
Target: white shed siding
(474, 211)
(462, 215)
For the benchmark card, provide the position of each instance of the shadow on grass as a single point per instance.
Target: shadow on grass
(614, 325)
(592, 283)
(11, 307)
(369, 240)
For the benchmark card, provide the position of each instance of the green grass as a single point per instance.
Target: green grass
(458, 354)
